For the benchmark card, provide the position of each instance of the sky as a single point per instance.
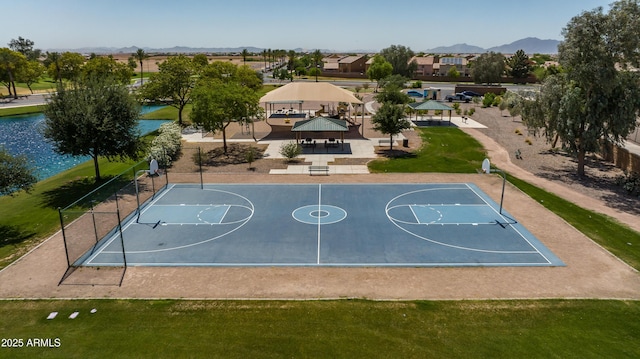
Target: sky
(336, 25)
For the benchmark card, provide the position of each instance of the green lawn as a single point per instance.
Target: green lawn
(29, 217)
(325, 329)
(15, 111)
(445, 149)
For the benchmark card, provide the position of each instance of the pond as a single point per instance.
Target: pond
(21, 135)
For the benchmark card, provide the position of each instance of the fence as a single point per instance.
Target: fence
(99, 214)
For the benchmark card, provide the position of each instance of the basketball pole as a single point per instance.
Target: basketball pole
(486, 168)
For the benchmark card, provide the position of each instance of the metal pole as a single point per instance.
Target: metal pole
(124, 255)
(64, 238)
(200, 163)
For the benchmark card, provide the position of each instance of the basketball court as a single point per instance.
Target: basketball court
(448, 224)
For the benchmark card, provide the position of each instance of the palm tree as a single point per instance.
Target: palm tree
(140, 55)
(245, 53)
(264, 57)
(317, 58)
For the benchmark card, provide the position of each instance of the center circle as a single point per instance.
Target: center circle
(319, 214)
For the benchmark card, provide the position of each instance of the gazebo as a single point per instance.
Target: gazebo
(432, 105)
(320, 124)
(299, 92)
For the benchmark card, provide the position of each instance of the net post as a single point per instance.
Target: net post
(93, 219)
(64, 238)
(124, 256)
(200, 164)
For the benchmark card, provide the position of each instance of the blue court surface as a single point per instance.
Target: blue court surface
(322, 225)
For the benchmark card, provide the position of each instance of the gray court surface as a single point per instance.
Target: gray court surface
(449, 224)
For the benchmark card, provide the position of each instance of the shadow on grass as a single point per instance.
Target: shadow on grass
(86, 191)
(12, 235)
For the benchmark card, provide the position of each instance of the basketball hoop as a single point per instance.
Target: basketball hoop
(486, 168)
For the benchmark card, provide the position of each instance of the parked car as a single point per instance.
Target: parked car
(414, 93)
(471, 94)
(458, 97)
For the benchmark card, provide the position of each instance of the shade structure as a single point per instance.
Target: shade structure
(431, 105)
(321, 124)
(310, 91)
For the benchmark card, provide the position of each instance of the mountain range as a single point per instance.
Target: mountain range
(530, 45)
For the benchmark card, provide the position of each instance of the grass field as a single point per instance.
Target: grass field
(325, 329)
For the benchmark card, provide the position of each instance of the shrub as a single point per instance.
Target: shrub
(630, 182)
(528, 141)
(518, 132)
(250, 155)
(417, 84)
(290, 150)
(488, 99)
(167, 145)
(471, 111)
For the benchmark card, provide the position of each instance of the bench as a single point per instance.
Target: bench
(384, 142)
(314, 169)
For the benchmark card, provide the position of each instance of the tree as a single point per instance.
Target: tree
(400, 59)
(380, 68)
(70, 65)
(392, 93)
(519, 65)
(172, 84)
(218, 102)
(104, 66)
(25, 47)
(141, 55)
(15, 174)
(317, 59)
(245, 54)
(93, 117)
(30, 73)
(596, 99)
(10, 62)
(390, 120)
(488, 68)
(200, 60)
(52, 63)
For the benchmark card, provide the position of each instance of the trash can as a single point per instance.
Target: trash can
(405, 142)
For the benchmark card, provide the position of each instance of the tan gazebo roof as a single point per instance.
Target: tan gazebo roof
(310, 91)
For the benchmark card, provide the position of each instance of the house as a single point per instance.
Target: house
(425, 65)
(459, 63)
(352, 64)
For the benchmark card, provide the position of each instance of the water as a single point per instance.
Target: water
(21, 135)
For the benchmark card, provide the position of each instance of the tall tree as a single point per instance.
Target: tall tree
(519, 65)
(71, 65)
(218, 103)
(141, 55)
(400, 59)
(380, 68)
(317, 59)
(390, 120)
(245, 54)
(15, 173)
(10, 63)
(597, 98)
(30, 73)
(105, 66)
(94, 117)
(488, 68)
(52, 63)
(172, 84)
(25, 47)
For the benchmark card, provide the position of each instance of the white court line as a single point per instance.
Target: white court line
(319, 221)
(515, 229)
